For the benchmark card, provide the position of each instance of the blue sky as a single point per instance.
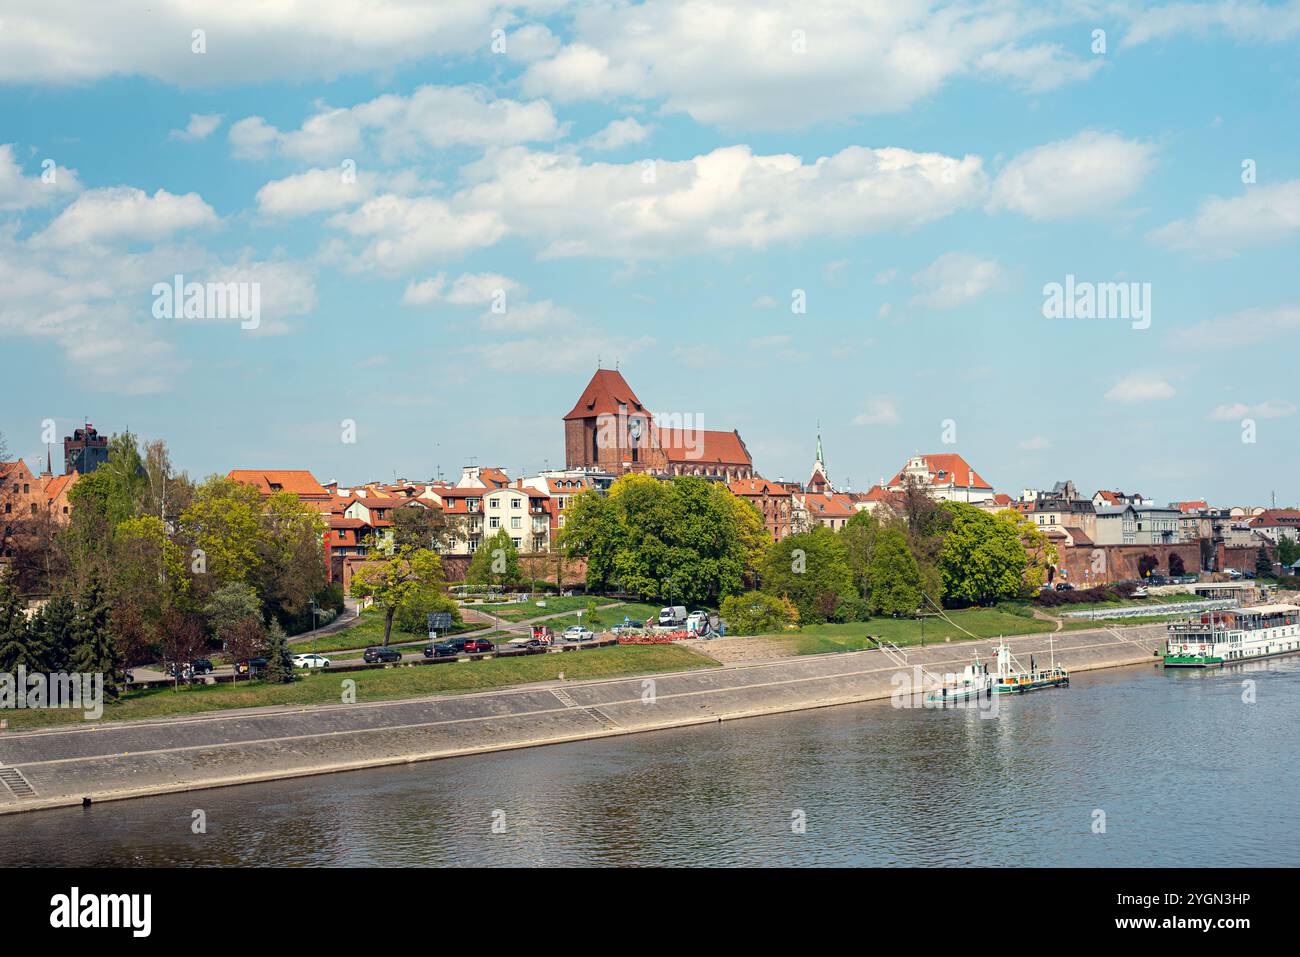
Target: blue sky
(919, 171)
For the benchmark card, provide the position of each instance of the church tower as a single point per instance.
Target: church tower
(818, 482)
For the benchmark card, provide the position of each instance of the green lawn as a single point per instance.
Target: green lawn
(529, 609)
(852, 636)
(368, 631)
(636, 610)
(384, 684)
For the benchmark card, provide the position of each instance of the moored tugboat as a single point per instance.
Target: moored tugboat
(1236, 634)
(1012, 678)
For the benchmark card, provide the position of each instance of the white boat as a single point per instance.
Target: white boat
(1235, 634)
(973, 682)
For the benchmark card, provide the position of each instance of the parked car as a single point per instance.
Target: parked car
(1140, 592)
(530, 645)
(578, 633)
(477, 646)
(202, 666)
(375, 654)
(250, 666)
(1064, 586)
(443, 649)
(310, 661)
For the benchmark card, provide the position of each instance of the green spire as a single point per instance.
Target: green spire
(819, 447)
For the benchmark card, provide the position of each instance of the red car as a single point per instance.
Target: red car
(475, 646)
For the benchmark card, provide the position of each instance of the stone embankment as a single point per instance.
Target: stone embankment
(116, 760)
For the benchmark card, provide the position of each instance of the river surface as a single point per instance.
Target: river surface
(1127, 768)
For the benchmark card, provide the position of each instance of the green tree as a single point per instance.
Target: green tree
(53, 632)
(393, 581)
(593, 531)
(231, 604)
(224, 522)
(16, 643)
(860, 533)
(495, 562)
(982, 559)
(289, 566)
(895, 579)
(757, 613)
(420, 525)
(279, 660)
(1040, 554)
(1288, 551)
(1263, 564)
(94, 649)
(811, 569)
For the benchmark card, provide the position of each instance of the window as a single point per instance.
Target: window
(516, 522)
(517, 541)
(494, 522)
(515, 503)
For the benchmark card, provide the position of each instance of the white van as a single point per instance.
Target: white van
(672, 615)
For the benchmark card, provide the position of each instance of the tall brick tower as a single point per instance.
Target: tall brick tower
(609, 428)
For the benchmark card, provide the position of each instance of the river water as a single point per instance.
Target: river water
(1129, 767)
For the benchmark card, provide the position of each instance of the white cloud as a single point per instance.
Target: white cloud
(404, 232)
(770, 342)
(94, 305)
(1039, 68)
(954, 279)
(1242, 20)
(619, 133)
(432, 117)
(784, 64)
(315, 191)
(878, 412)
(126, 214)
(1271, 409)
(200, 127)
(1086, 174)
(885, 277)
(1140, 387)
(1222, 227)
(1035, 444)
(508, 310)
(729, 198)
(1249, 327)
(69, 41)
(765, 302)
(24, 192)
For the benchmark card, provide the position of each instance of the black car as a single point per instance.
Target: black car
(443, 649)
(202, 666)
(1064, 586)
(376, 654)
(250, 666)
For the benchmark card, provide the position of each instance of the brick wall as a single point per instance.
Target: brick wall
(1108, 563)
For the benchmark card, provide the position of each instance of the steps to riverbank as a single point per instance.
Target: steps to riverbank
(117, 760)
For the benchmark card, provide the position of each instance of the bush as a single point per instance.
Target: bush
(756, 613)
(413, 617)
(852, 608)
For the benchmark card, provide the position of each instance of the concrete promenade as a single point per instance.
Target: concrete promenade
(116, 760)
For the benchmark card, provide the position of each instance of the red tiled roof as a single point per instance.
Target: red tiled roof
(756, 486)
(58, 484)
(703, 446)
(298, 481)
(956, 470)
(1192, 506)
(606, 391)
(1277, 517)
(836, 505)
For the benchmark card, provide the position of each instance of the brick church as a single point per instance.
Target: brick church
(610, 429)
